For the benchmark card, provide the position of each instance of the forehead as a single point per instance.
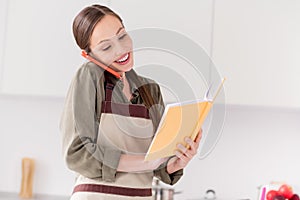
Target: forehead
(106, 28)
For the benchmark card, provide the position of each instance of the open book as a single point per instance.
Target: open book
(180, 120)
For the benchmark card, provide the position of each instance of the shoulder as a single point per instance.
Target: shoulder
(150, 83)
(144, 79)
(89, 71)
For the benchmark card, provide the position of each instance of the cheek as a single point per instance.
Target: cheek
(108, 59)
(126, 45)
(117, 50)
(129, 45)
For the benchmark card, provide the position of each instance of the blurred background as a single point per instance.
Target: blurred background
(254, 44)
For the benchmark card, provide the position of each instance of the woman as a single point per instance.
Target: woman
(108, 122)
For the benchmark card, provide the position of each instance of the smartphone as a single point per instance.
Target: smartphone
(90, 58)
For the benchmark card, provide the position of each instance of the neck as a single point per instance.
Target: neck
(122, 74)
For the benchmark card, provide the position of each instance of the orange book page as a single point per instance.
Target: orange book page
(179, 122)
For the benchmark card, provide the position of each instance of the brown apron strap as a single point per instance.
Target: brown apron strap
(135, 110)
(109, 87)
(129, 110)
(124, 191)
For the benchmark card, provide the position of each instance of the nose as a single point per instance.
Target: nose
(119, 50)
(122, 47)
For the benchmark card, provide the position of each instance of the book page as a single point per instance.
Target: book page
(180, 120)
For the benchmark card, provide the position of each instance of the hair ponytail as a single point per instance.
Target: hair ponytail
(153, 105)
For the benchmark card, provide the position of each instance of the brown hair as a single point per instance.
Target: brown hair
(85, 22)
(83, 26)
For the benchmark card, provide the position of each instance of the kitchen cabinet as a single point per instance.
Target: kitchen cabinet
(192, 18)
(256, 46)
(3, 11)
(40, 56)
(175, 71)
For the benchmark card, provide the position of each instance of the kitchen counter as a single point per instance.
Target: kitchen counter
(14, 196)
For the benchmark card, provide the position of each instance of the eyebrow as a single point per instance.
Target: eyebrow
(108, 39)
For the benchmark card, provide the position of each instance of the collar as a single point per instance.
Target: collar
(131, 77)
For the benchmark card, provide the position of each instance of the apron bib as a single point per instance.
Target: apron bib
(126, 127)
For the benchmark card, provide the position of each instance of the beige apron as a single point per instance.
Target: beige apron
(128, 128)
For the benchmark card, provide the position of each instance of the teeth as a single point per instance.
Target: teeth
(123, 59)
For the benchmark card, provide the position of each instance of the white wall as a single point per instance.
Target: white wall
(29, 128)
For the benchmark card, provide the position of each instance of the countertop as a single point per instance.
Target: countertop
(15, 196)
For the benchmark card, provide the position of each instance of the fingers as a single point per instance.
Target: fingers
(188, 152)
(198, 138)
(193, 146)
(184, 159)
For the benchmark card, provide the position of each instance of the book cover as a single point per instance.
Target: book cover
(180, 120)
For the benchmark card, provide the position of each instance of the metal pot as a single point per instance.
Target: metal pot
(162, 193)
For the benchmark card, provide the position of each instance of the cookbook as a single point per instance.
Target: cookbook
(180, 120)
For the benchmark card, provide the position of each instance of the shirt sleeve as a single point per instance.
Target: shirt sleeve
(79, 127)
(161, 172)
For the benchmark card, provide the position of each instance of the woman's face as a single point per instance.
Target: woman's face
(111, 44)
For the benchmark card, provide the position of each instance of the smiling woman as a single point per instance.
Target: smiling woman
(108, 122)
(116, 49)
(105, 38)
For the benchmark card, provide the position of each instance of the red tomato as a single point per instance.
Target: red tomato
(286, 191)
(271, 194)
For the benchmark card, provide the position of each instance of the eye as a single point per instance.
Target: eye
(106, 48)
(122, 36)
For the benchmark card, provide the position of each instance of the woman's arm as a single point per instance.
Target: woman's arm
(79, 128)
(136, 163)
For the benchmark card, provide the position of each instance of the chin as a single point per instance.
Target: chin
(127, 69)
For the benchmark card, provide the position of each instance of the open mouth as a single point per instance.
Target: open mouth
(123, 60)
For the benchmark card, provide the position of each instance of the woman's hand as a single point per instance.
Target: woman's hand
(185, 155)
